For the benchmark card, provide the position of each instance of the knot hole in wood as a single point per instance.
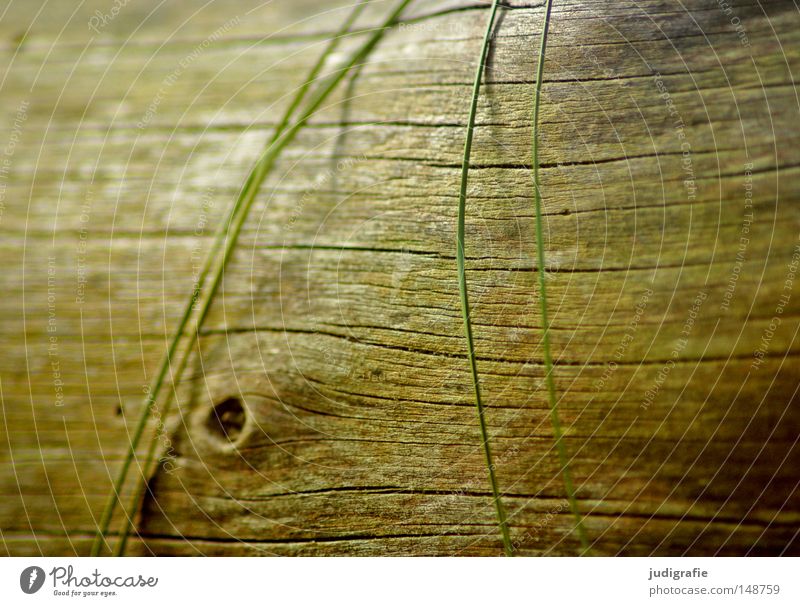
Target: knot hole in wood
(226, 420)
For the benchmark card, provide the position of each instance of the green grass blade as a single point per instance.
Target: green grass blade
(561, 449)
(462, 284)
(314, 73)
(297, 100)
(230, 230)
(153, 390)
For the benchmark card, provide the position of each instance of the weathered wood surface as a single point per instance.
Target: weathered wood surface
(338, 326)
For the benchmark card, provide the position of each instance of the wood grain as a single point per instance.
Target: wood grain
(338, 326)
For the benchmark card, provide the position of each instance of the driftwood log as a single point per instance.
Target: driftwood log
(328, 409)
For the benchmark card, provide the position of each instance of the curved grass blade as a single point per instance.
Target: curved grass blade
(312, 75)
(561, 449)
(462, 285)
(230, 231)
(300, 95)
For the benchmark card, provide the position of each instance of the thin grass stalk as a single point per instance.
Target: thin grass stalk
(230, 235)
(462, 285)
(555, 420)
(300, 95)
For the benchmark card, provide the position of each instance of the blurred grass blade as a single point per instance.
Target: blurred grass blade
(462, 283)
(314, 73)
(228, 235)
(561, 449)
(300, 95)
